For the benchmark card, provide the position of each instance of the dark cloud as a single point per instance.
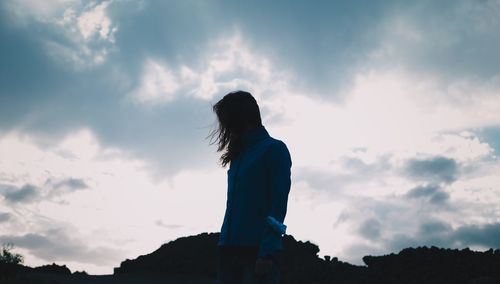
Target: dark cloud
(357, 171)
(422, 191)
(332, 40)
(64, 186)
(359, 166)
(434, 232)
(432, 193)
(433, 170)
(328, 41)
(5, 216)
(442, 234)
(25, 194)
(434, 227)
(439, 197)
(448, 39)
(370, 229)
(322, 179)
(31, 193)
(486, 235)
(70, 183)
(57, 245)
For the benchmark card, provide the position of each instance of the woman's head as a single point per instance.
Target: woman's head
(236, 112)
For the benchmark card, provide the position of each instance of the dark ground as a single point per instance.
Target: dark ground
(193, 260)
(46, 278)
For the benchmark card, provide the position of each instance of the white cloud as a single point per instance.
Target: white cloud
(42, 11)
(77, 33)
(119, 203)
(94, 22)
(388, 112)
(228, 64)
(157, 84)
(393, 114)
(90, 32)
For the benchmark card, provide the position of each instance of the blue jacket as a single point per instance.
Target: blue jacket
(258, 185)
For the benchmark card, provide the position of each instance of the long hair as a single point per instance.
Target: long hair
(236, 112)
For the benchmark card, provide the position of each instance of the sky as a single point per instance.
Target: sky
(390, 110)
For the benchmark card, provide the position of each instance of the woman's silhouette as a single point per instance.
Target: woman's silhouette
(257, 193)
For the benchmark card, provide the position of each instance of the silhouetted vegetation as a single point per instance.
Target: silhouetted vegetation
(81, 273)
(300, 264)
(6, 256)
(13, 272)
(436, 265)
(52, 269)
(190, 255)
(193, 259)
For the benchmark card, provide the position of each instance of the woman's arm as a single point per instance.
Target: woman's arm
(279, 166)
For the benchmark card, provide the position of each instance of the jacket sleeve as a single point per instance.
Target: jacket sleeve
(279, 168)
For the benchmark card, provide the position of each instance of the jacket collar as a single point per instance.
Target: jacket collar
(250, 137)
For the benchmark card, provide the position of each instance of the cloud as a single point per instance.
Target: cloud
(25, 194)
(89, 34)
(24, 10)
(422, 191)
(433, 228)
(29, 193)
(168, 226)
(485, 235)
(450, 40)
(439, 197)
(226, 64)
(442, 234)
(158, 84)
(70, 183)
(57, 245)
(492, 136)
(432, 193)
(370, 229)
(344, 172)
(151, 129)
(101, 213)
(203, 57)
(322, 44)
(5, 216)
(58, 187)
(73, 33)
(93, 22)
(434, 169)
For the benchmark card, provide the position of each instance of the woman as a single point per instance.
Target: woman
(257, 193)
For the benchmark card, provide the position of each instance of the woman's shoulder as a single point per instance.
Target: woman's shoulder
(277, 149)
(275, 144)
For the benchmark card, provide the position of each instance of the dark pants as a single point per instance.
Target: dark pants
(236, 265)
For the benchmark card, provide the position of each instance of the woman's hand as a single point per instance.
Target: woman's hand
(263, 266)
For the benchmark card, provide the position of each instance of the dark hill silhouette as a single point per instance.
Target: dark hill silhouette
(436, 265)
(301, 264)
(191, 255)
(52, 269)
(18, 273)
(192, 260)
(197, 254)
